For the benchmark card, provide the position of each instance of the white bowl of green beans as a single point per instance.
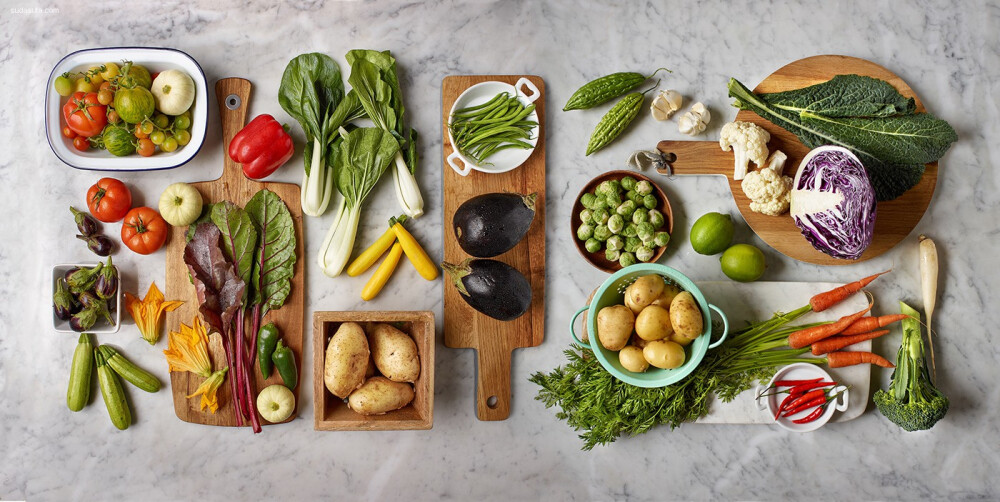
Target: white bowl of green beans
(493, 127)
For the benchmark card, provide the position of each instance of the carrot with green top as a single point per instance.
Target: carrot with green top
(866, 324)
(808, 336)
(840, 341)
(841, 359)
(830, 298)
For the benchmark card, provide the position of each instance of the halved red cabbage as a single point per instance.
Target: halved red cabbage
(833, 203)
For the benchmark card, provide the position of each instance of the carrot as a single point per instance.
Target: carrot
(826, 300)
(808, 336)
(838, 342)
(841, 359)
(866, 324)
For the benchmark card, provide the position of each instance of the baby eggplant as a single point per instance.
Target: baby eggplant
(107, 281)
(84, 222)
(491, 287)
(99, 244)
(63, 302)
(490, 224)
(83, 279)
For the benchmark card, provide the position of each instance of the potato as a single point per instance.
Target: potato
(667, 296)
(347, 358)
(380, 395)
(680, 339)
(395, 353)
(586, 333)
(370, 369)
(664, 354)
(632, 359)
(685, 316)
(643, 291)
(630, 304)
(614, 325)
(638, 342)
(653, 323)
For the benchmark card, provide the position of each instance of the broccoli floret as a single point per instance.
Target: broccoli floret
(911, 402)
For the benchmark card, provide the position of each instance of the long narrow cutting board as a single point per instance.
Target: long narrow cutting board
(465, 327)
(233, 95)
(895, 219)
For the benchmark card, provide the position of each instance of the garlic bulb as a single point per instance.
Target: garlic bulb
(695, 121)
(665, 104)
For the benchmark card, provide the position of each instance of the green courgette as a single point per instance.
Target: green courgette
(606, 88)
(128, 370)
(78, 393)
(114, 395)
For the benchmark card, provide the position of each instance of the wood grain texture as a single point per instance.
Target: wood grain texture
(465, 327)
(235, 187)
(333, 414)
(895, 219)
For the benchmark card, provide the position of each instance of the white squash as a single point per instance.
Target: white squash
(174, 92)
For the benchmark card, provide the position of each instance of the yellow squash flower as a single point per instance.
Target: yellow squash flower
(147, 313)
(208, 390)
(187, 350)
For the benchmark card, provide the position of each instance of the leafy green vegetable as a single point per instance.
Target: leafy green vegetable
(274, 261)
(239, 237)
(893, 148)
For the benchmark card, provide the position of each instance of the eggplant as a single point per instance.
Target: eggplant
(107, 281)
(84, 222)
(491, 287)
(490, 224)
(99, 244)
(63, 302)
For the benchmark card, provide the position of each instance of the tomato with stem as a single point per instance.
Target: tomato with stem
(80, 143)
(84, 114)
(109, 200)
(144, 230)
(146, 148)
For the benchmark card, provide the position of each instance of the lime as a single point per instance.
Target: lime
(743, 263)
(712, 233)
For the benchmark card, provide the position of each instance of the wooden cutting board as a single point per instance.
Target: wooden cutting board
(465, 327)
(895, 219)
(233, 95)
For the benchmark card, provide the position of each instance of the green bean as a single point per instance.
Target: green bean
(499, 124)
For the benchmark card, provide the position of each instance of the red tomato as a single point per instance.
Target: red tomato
(144, 230)
(84, 114)
(80, 143)
(109, 200)
(66, 131)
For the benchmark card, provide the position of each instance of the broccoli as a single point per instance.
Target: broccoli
(911, 402)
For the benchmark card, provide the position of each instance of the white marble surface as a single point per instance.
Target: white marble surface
(947, 51)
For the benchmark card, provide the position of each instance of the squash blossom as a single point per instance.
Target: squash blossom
(208, 390)
(187, 350)
(147, 313)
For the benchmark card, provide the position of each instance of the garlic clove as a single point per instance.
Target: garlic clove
(665, 104)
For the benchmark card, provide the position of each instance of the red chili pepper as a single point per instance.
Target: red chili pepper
(802, 402)
(262, 147)
(784, 404)
(793, 383)
(818, 412)
(803, 388)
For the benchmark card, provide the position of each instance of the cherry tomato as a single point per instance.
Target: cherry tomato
(153, 76)
(84, 114)
(110, 71)
(109, 200)
(105, 96)
(66, 131)
(144, 230)
(63, 85)
(183, 137)
(157, 137)
(105, 85)
(80, 143)
(147, 127)
(169, 144)
(182, 121)
(146, 147)
(139, 132)
(113, 117)
(83, 84)
(161, 121)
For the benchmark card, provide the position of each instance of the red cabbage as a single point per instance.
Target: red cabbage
(833, 203)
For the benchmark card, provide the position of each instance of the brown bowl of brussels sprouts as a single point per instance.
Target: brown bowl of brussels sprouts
(621, 218)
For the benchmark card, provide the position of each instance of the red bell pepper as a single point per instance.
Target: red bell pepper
(262, 146)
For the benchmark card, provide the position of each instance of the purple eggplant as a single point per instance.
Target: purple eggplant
(491, 224)
(107, 281)
(63, 302)
(83, 279)
(99, 244)
(88, 299)
(85, 222)
(491, 287)
(87, 318)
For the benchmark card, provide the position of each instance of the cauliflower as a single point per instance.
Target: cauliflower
(769, 192)
(748, 141)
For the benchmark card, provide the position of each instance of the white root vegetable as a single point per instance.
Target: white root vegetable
(928, 287)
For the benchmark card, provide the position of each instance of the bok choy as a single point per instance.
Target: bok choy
(361, 159)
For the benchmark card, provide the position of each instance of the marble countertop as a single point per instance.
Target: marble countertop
(947, 51)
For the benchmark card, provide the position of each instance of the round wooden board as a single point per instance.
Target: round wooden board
(895, 219)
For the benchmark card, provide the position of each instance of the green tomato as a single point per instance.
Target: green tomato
(161, 121)
(584, 232)
(643, 254)
(169, 144)
(661, 239)
(631, 244)
(182, 122)
(616, 223)
(63, 85)
(656, 219)
(183, 137)
(650, 201)
(626, 259)
(157, 137)
(626, 208)
(644, 187)
(630, 230)
(645, 231)
(592, 245)
(600, 216)
(628, 183)
(612, 254)
(615, 243)
(602, 232)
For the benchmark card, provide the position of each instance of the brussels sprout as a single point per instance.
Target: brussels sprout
(656, 219)
(616, 223)
(599, 216)
(643, 253)
(661, 239)
(584, 232)
(644, 187)
(612, 254)
(615, 243)
(616, 185)
(644, 231)
(587, 200)
(592, 245)
(586, 216)
(613, 199)
(650, 201)
(626, 259)
(602, 232)
(639, 216)
(604, 188)
(628, 183)
(626, 208)
(631, 244)
(630, 230)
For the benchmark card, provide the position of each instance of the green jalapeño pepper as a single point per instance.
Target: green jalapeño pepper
(267, 340)
(284, 360)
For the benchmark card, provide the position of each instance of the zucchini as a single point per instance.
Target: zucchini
(78, 393)
(114, 395)
(129, 371)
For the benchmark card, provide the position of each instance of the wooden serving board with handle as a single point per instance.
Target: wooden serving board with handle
(233, 95)
(895, 219)
(465, 327)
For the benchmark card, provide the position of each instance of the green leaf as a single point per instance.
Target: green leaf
(239, 238)
(274, 260)
(311, 87)
(362, 159)
(373, 77)
(844, 96)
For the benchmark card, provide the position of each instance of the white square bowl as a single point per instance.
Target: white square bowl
(115, 307)
(155, 60)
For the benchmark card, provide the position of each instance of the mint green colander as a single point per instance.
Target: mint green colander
(612, 292)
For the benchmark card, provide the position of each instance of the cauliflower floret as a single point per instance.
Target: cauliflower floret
(748, 141)
(769, 192)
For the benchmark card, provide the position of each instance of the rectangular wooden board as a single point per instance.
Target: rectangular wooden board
(465, 327)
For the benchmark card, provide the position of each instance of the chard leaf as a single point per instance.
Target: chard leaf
(220, 290)
(844, 96)
(362, 159)
(274, 260)
(239, 238)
